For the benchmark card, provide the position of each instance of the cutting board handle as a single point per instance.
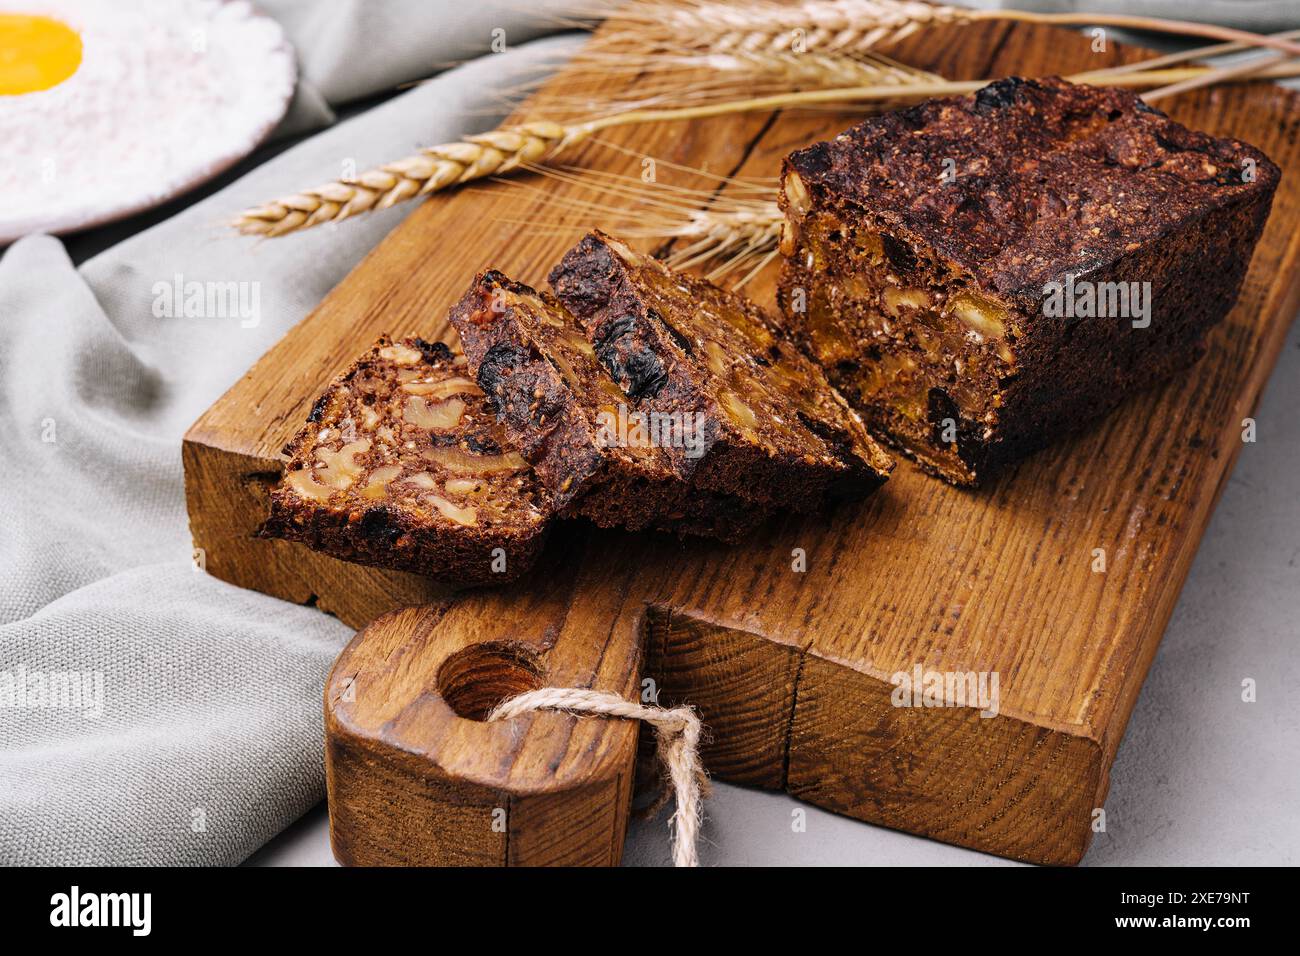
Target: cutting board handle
(416, 776)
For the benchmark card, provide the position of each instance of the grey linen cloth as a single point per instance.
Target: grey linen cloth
(150, 714)
(191, 730)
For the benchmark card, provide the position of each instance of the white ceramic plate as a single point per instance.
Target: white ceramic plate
(168, 94)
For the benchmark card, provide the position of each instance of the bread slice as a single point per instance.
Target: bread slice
(571, 420)
(774, 432)
(403, 465)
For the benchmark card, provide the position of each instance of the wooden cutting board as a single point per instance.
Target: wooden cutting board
(789, 660)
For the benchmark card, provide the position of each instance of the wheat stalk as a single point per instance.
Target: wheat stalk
(691, 77)
(1183, 56)
(1258, 66)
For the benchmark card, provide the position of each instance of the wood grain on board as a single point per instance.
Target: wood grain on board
(791, 669)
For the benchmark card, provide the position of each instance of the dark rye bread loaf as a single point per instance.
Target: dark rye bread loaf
(680, 348)
(563, 411)
(982, 274)
(403, 465)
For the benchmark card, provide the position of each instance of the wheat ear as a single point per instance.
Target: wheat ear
(826, 26)
(436, 167)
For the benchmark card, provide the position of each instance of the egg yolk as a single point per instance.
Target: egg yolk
(35, 53)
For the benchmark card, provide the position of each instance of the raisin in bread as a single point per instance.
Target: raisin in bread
(571, 420)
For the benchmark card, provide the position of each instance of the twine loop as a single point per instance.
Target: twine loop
(677, 738)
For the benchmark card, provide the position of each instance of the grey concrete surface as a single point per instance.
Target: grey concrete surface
(1202, 776)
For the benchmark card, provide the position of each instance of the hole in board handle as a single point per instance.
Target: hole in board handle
(477, 678)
